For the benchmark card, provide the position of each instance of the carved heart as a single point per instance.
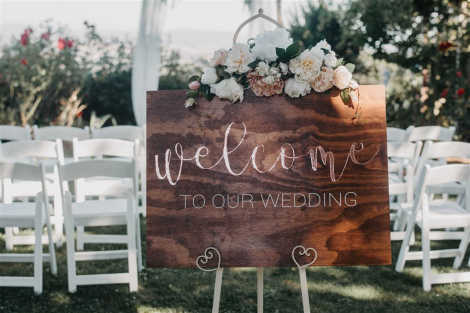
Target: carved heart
(208, 255)
(311, 252)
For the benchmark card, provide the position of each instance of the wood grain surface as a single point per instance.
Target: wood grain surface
(254, 232)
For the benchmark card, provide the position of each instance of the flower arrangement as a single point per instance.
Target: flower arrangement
(272, 64)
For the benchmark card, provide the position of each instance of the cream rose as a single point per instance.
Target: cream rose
(295, 88)
(238, 59)
(306, 66)
(228, 89)
(323, 82)
(209, 76)
(342, 77)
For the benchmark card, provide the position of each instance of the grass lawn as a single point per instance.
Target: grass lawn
(332, 289)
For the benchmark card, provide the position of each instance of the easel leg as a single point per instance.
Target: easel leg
(304, 289)
(259, 276)
(217, 289)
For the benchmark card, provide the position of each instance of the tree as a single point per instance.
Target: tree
(430, 38)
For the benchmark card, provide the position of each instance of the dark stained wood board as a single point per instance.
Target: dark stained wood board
(256, 232)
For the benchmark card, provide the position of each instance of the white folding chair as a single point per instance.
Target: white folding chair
(401, 184)
(130, 133)
(97, 149)
(34, 151)
(435, 214)
(108, 212)
(27, 215)
(395, 134)
(431, 133)
(11, 132)
(65, 133)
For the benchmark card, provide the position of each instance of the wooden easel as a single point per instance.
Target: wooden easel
(212, 252)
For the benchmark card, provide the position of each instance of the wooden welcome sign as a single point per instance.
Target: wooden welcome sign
(258, 178)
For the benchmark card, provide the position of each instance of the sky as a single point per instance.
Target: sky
(194, 27)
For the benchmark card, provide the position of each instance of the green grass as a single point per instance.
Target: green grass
(332, 289)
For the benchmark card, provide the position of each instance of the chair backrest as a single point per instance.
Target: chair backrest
(431, 133)
(99, 169)
(11, 132)
(406, 151)
(440, 175)
(93, 148)
(405, 156)
(437, 153)
(123, 132)
(17, 171)
(395, 134)
(60, 132)
(32, 150)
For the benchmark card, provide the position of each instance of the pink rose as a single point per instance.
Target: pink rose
(194, 85)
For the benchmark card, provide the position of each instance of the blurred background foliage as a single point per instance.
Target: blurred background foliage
(418, 48)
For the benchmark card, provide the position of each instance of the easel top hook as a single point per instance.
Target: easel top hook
(251, 19)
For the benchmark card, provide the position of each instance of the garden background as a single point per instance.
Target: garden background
(418, 49)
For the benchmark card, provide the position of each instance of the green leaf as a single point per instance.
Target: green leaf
(350, 67)
(280, 52)
(194, 78)
(292, 50)
(192, 94)
(345, 96)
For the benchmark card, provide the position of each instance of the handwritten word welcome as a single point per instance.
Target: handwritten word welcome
(286, 158)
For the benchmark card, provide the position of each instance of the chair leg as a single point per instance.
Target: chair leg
(131, 247)
(426, 244)
(80, 241)
(140, 265)
(38, 227)
(70, 242)
(9, 238)
(405, 244)
(462, 248)
(53, 259)
(58, 225)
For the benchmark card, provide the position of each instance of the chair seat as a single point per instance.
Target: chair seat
(447, 188)
(444, 213)
(100, 212)
(20, 214)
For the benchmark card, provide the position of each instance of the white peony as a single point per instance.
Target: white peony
(306, 66)
(228, 89)
(331, 60)
(295, 88)
(267, 42)
(238, 59)
(209, 76)
(219, 57)
(342, 77)
(324, 80)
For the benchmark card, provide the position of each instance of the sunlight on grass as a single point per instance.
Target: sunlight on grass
(60, 298)
(147, 309)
